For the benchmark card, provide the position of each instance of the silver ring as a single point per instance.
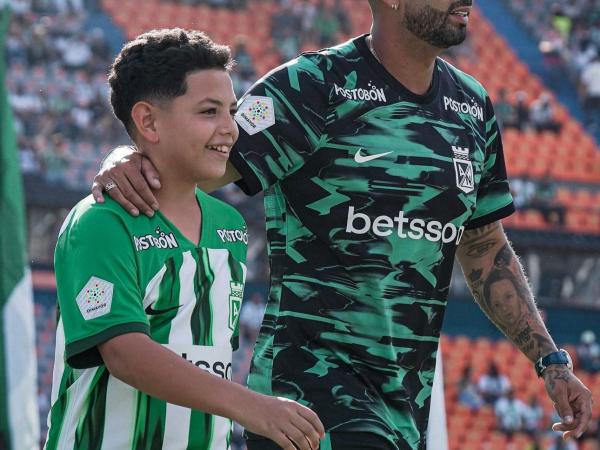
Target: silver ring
(108, 186)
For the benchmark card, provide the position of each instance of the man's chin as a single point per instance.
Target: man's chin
(458, 38)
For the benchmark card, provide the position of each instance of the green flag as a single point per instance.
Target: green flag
(19, 423)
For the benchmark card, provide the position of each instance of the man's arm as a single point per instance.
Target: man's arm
(137, 360)
(134, 177)
(499, 286)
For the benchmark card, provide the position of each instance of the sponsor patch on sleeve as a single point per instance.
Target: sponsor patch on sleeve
(255, 114)
(95, 298)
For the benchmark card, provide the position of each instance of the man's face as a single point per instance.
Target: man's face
(440, 23)
(505, 299)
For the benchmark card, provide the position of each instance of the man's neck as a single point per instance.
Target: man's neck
(410, 60)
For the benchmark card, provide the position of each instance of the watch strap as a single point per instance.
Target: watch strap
(559, 357)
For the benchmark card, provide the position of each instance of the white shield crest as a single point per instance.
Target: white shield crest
(464, 175)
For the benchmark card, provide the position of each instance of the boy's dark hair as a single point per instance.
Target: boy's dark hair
(155, 64)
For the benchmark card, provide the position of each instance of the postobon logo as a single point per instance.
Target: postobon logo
(233, 236)
(235, 302)
(473, 109)
(373, 93)
(159, 239)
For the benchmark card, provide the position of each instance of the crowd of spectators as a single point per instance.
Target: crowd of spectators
(569, 36)
(588, 352)
(58, 91)
(233, 4)
(302, 24)
(518, 113)
(513, 414)
(538, 195)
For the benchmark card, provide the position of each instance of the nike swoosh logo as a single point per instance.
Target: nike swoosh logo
(360, 158)
(155, 312)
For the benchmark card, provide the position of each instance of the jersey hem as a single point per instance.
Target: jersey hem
(83, 354)
(492, 217)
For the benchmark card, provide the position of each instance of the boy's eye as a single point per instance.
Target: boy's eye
(209, 111)
(233, 112)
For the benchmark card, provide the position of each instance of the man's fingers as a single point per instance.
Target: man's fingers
(130, 195)
(564, 410)
(141, 188)
(97, 191)
(582, 418)
(117, 196)
(150, 173)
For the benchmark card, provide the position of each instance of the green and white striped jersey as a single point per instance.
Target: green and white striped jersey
(118, 274)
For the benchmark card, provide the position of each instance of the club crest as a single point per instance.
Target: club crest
(463, 169)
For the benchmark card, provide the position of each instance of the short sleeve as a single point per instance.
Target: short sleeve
(98, 290)
(494, 200)
(281, 121)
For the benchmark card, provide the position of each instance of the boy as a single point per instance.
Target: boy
(148, 306)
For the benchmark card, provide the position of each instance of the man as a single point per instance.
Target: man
(380, 162)
(148, 308)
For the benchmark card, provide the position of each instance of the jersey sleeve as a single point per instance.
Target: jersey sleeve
(98, 290)
(494, 200)
(281, 121)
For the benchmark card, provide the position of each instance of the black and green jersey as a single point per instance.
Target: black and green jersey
(117, 274)
(368, 191)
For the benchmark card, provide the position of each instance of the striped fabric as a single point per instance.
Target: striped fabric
(187, 297)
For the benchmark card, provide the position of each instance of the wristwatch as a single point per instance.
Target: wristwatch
(559, 357)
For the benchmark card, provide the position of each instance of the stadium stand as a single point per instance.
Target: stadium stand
(568, 35)
(57, 71)
(479, 427)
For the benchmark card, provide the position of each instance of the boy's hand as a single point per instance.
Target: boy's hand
(286, 422)
(127, 176)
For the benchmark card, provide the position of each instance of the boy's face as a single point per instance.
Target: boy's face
(197, 129)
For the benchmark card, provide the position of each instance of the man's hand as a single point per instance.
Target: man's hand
(572, 400)
(131, 175)
(287, 423)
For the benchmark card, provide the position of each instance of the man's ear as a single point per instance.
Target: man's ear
(144, 117)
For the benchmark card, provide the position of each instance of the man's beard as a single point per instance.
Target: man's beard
(432, 25)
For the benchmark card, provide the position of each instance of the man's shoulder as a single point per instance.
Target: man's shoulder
(318, 62)
(462, 78)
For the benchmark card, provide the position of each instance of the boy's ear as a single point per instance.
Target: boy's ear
(144, 118)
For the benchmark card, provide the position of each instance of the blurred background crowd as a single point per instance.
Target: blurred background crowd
(58, 54)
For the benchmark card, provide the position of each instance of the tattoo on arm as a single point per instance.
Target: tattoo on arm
(557, 375)
(482, 249)
(475, 275)
(503, 257)
(478, 235)
(500, 288)
(523, 337)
